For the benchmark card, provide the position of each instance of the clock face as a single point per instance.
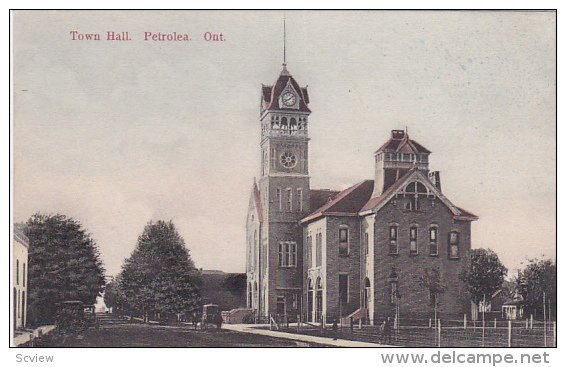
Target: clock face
(288, 160)
(289, 99)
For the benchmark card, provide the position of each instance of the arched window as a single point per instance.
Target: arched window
(433, 240)
(416, 187)
(284, 122)
(293, 124)
(413, 245)
(367, 293)
(343, 241)
(17, 272)
(413, 190)
(393, 235)
(318, 283)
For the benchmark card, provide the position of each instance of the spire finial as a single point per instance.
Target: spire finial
(284, 41)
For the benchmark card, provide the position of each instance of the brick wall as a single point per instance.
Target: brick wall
(337, 264)
(415, 301)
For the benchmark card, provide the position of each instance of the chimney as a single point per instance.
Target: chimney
(397, 134)
(434, 177)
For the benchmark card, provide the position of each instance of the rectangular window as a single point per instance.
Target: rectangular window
(319, 249)
(343, 242)
(343, 288)
(393, 248)
(454, 244)
(281, 254)
(433, 235)
(293, 254)
(287, 254)
(300, 197)
(414, 249)
(289, 200)
(278, 195)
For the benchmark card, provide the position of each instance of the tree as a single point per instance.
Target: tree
(114, 297)
(432, 281)
(160, 277)
(235, 283)
(535, 282)
(485, 274)
(64, 265)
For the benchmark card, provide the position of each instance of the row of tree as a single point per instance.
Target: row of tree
(535, 283)
(159, 278)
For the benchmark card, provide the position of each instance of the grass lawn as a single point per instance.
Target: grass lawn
(139, 335)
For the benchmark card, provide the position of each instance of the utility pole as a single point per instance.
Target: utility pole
(483, 323)
(544, 315)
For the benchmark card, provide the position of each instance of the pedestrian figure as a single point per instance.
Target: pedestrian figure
(218, 320)
(335, 329)
(351, 324)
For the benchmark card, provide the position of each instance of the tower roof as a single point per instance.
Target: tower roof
(401, 143)
(271, 93)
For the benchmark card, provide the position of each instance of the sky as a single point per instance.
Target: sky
(116, 134)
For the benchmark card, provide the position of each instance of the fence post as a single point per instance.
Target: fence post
(360, 324)
(544, 331)
(531, 321)
(509, 327)
(465, 321)
(495, 323)
(526, 323)
(429, 323)
(439, 333)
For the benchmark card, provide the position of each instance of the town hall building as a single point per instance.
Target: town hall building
(393, 244)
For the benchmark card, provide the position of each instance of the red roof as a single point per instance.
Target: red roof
(347, 202)
(270, 94)
(467, 214)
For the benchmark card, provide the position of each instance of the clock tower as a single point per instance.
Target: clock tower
(282, 193)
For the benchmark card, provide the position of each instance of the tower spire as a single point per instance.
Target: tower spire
(284, 42)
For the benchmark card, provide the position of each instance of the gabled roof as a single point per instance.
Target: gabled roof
(376, 203)
(403, 145)
(270, 93)
(257, 201)
(346, 203)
